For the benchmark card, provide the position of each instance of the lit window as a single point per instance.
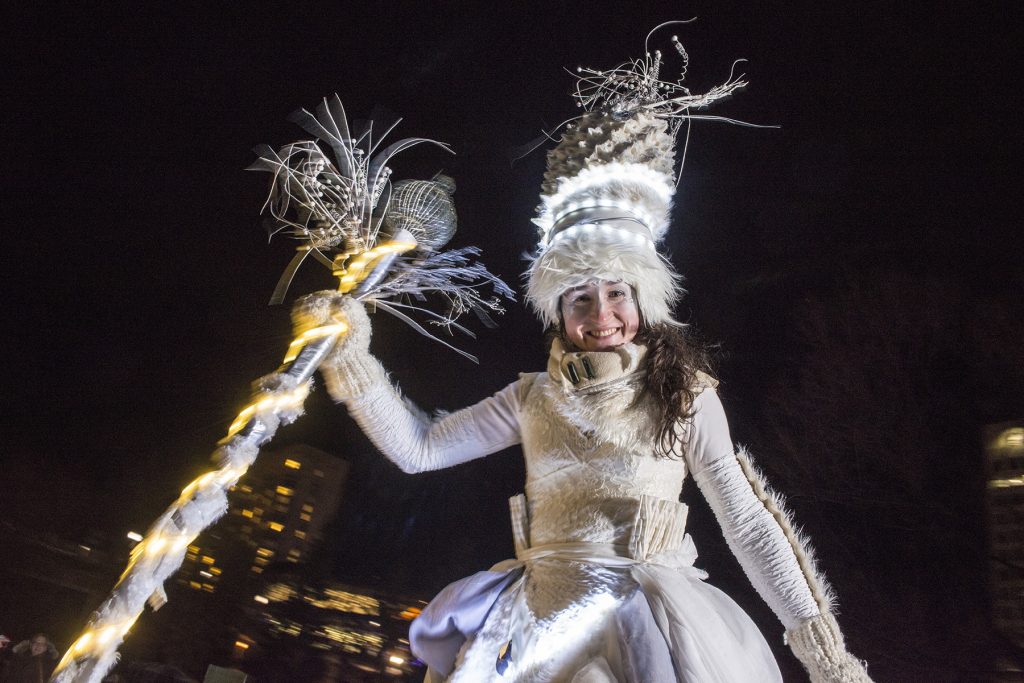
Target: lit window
(307, 508)
(1014, 437)
(195, 584)
(264, 552)
(304, 517)
(1006, 483)
(353, 641)
(256, 570)
(300, 534)
(292, 464)
(260, 599)
(193, 549)
(285, 491)
(280, 592)
(343, 601)
(247, 513)
(275, 526)
(215, 571)
(208, 587)
(206, 559)
(260, 561)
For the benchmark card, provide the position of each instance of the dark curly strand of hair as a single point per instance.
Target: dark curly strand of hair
(673, 359)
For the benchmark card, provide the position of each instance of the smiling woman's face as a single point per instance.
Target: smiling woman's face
(600, 315)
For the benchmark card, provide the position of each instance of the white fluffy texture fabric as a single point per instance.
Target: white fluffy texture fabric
(330, 306)
(603, 255)
(758, 540)
(590, 466)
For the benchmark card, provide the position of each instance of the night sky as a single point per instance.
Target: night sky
(882, 213)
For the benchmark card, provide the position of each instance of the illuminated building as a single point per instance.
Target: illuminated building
(364, 631)
(276, 513)
(1004, 448)
(254, 558)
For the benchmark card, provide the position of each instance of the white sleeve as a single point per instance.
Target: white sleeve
(752, 520)
(410, 438)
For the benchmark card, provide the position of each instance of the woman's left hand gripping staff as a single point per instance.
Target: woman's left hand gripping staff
(410, 438)
(348, 370)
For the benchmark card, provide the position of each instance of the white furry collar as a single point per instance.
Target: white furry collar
(576, 371)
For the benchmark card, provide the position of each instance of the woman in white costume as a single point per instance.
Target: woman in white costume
(603, 586)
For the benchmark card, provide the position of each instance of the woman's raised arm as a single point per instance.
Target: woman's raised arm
(409, 437)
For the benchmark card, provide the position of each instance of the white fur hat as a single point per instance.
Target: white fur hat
(607, 193)
(606, 202)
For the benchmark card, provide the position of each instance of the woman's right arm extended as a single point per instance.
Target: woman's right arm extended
(410, 438)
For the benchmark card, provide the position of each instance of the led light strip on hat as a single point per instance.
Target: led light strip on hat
(631, 223)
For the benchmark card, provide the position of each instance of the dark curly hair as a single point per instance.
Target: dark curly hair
(674, 356)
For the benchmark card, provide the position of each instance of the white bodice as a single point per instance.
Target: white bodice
(585, 477)
(592, 474)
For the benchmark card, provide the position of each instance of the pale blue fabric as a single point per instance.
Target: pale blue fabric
(451, 618)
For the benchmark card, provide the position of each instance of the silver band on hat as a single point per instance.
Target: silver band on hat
(610, 216)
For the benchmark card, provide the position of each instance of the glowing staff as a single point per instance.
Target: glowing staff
(161, 552)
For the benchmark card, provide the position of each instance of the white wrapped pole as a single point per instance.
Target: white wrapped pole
(279, 400)
(333, 208)
(200, 504)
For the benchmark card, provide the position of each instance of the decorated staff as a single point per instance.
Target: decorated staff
(383, 241)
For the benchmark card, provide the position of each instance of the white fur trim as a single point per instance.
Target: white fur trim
(575, 259)
(632, 186)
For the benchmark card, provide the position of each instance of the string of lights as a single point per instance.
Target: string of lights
(340, 211)
(201, 503)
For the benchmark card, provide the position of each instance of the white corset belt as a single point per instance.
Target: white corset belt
(658, 531)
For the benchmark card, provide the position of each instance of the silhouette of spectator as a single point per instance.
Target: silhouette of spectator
(32, 661)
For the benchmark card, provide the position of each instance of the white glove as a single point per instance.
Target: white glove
(348, 370)
(818, 644)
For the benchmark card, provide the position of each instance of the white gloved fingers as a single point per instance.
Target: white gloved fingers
(348, 370)
(818, 644)
(328, 307)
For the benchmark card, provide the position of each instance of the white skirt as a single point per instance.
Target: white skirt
(583, 613)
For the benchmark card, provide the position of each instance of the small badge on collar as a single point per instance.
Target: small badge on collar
(588, 368)
(574, 375)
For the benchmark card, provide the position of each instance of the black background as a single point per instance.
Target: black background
(136, 273)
